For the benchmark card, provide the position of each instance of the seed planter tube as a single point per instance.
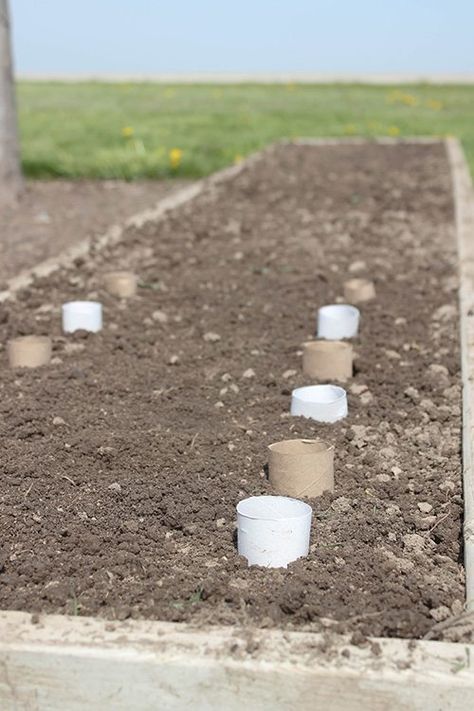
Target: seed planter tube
(29, 351)
(82, 315)
(323, 403)
(273, 531)
(121, 284)
(301, 467)
(337, 321)
(356, 291)
(327, 360)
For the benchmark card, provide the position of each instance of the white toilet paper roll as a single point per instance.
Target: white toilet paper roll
(82, 315)
(272, 531)
(338, 321)
(323, 403)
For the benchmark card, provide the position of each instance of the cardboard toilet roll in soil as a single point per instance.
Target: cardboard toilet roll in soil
(301, 467)
(327, 360)
(122, 284)
(29, 351)
(357, 291)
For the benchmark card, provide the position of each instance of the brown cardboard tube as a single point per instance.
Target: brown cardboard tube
(121, 284)
(301, 467)
(29, 351)
(327, 360)
(358, 290)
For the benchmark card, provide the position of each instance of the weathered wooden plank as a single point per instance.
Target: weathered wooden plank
(464, 206)
(64, 664)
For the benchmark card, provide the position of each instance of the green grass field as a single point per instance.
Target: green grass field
(146, 130)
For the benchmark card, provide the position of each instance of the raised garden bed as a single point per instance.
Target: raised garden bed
(125, 458)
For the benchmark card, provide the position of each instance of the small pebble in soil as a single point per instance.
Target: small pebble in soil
(341, 505)
(358, 388)
(211, 337)
(414, 542)
(412, 393)
(73, 348)
(438, 374)
(445, 313)
(387, 452)
(159, 316)
(357, 266)
(440, 613)
(249, 373)
(424, 507)
(58, 421)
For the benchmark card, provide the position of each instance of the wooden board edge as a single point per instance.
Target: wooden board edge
(464, 217)
(54, 663)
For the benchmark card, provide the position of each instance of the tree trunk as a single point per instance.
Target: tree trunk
(11, 182)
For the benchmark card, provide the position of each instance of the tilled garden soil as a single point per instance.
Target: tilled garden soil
(123, 461)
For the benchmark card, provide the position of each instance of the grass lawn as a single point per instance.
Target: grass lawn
(146, 130)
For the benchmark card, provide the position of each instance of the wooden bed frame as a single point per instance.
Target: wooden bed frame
(59, 663)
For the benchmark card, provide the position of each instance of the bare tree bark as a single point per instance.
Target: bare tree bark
(11, 182)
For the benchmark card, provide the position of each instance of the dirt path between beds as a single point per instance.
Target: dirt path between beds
(52, 215)
(123, 461)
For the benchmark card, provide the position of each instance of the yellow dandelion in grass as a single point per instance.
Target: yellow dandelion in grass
(393, 131)
(393, 97)
(238, 159)
(175, 156)
(374, 126)
(399, 97)
(409, 100)
(350, 129)
(434, 104)
(127, 131)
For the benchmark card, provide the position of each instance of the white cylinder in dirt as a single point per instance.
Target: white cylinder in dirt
(338, 321)
(323, 403)
(82, 315)
(273, 531)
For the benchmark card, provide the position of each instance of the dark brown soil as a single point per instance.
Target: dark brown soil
(53, 215)
(123, 461)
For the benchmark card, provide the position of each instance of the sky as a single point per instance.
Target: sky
(248, 36)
